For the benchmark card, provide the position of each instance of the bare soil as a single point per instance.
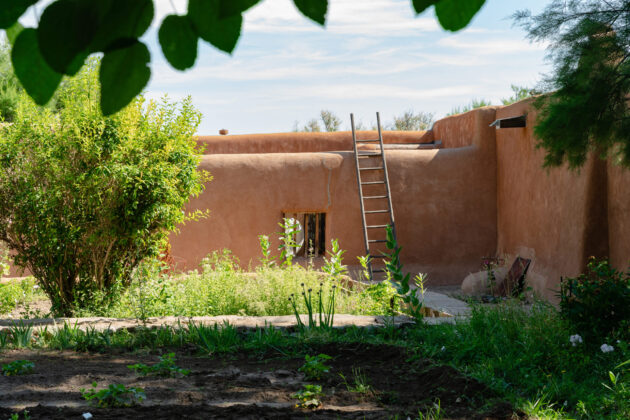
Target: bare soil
(248, 386)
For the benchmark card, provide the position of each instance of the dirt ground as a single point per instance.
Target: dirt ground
(247, 386)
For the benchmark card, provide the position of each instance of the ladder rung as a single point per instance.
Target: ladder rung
(375, 211)
(359, 141)
(374, 197)
(372, 182)
(377, 240)
(364, 155)
(376, 226)
(378, 270)
(379, 256)
(371, 168)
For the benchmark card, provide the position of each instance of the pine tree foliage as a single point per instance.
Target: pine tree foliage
(587, 107)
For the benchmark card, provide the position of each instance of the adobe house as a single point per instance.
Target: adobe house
(461, 191)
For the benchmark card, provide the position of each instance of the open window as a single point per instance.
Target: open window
(312, 233)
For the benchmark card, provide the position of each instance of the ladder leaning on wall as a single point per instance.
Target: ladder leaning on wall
(374, 196)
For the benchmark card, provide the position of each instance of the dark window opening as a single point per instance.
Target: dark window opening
(311, 235)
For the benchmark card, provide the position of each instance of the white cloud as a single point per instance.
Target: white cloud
(374, 18)
(373, 90)
(490, 45)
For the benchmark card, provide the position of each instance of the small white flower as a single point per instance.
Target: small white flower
(605, 348)
(36, 287)
(566, 403)
(443, 348)
(87, 416)
(575, 339)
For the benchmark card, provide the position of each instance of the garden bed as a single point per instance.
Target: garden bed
(251, 385)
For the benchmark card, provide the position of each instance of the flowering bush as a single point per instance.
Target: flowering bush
(85, 198)
(597, 303)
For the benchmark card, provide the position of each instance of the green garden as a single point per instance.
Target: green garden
(93, 180)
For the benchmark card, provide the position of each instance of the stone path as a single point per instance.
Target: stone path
(438, 308)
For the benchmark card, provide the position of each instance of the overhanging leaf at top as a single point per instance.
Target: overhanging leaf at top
(35, 75)
(13, 31)
(454, 15)
(205, 17)
(11, 10)
(65, 30)
(421, 5)
(120, 22)
(178, 41)
(313, 9)
(230, 8)
(124, 73)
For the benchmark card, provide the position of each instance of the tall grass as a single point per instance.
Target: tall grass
(222, 288)
(527, 354)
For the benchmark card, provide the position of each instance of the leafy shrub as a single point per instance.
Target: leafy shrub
(315, 366)
(597, 303)
(308, 396)
(18, 367)
(115, 395)
(85, 198)
(165, 367)
(15, 292)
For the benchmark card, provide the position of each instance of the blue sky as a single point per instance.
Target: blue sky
(373, 55)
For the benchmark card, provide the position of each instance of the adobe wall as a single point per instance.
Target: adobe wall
(303, 142)
(557, 217)
(444, 202)
(483, 193)
(619, 216)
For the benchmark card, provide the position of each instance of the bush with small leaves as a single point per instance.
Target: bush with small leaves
(85, 198)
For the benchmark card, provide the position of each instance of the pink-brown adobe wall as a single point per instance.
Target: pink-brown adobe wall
(619, 215)
(485, 192)
(303, 142)
(444, 201)
(557, 217)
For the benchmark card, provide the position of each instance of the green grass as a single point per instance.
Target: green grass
(527, 356)
(524, 355)
(221, 287)
(18, 292)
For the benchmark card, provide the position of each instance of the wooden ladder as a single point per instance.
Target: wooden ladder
(374, 196)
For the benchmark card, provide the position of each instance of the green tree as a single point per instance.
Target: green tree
(518, 94)
(69, 31)
(84, 198)
(10, 88)
(474, 104)
(331, 121)
(587, 109)
(410, 121)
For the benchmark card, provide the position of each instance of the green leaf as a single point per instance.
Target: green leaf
(65, 30)
(13, 31)
(454, 15)
(121, 22)
(124, 73)
(230, 8)
(422, 5)
(36, 76)
(11, 10)
(222, 33)
(313, 9)
(179, 41)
